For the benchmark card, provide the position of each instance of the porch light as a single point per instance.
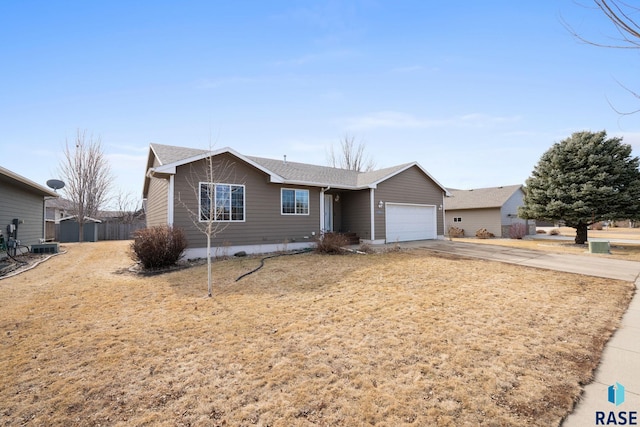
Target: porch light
(380, 204)
(337, 199)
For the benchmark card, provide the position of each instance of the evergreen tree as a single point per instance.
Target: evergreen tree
(584, 179)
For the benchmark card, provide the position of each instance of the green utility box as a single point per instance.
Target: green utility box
(599, 247)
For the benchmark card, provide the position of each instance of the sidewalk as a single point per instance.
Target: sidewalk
(620, 362)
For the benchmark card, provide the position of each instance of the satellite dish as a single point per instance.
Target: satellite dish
(56, 184)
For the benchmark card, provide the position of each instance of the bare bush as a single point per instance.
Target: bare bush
(484, 234)
(456, 232)
(158, 247)
(366, 248)
(393, 248)
(331, 243)
(541, 232)
(554, 232)
(517, 230)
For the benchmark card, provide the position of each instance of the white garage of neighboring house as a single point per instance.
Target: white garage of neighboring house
(411, 222)
(493, 208)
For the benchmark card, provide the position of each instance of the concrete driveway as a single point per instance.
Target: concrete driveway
(590, 265)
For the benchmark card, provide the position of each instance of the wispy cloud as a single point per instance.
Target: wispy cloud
(483, 120)
(312, 58)
(395, 119)
(132, 148)
(407, 69)
(44, 153)
(224, 81)
(631, 138)
(126, 161)
(332, 95)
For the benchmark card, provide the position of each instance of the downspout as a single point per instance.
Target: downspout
(322, 224)
(373, 216)
(170, 201)
(44, 220)
(444, 219)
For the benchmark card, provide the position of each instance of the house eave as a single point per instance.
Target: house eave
(170, 168)
(333, 186)
(27, 183)
(472, 208)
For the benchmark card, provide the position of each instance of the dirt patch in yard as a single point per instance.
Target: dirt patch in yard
(391, 339)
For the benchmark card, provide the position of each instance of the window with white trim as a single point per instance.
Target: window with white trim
(223, 202)
(457, 219)
(294, 202)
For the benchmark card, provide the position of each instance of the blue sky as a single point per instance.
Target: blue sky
(474, 91)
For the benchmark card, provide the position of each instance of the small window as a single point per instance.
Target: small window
(224, 201)
(294, 202)
(457, 219)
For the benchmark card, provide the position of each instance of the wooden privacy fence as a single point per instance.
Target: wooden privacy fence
(107, 230)
(114, 230)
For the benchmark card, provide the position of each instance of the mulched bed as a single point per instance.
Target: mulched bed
(12, 266)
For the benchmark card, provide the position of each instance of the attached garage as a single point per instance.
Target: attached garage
(406, 222)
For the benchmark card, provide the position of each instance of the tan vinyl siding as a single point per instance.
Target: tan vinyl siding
(356, 213)
(410, 186)
(157, 202)
(157, 199)
(475, 219)
(25, 206)
(263, 223)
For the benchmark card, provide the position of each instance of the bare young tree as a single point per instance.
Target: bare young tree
(214, 201)
(351, 156)
(621, 14)
(127, 206)
(87, 175)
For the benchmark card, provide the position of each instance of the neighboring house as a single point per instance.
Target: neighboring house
(22, 207)
(493, 208)
(269, 204)
(56, 209)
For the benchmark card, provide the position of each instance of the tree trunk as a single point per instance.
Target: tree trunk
(581, 234)
(209, 284)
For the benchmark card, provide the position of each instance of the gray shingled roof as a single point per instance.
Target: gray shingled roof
(25, 183)
(168, 153)
(290, 171)
(478, 198)
(303, 172)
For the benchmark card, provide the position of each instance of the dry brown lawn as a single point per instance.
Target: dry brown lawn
(404, 338)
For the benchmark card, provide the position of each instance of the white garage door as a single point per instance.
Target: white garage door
(410, 222)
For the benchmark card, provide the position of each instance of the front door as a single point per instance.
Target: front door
(328, 212)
